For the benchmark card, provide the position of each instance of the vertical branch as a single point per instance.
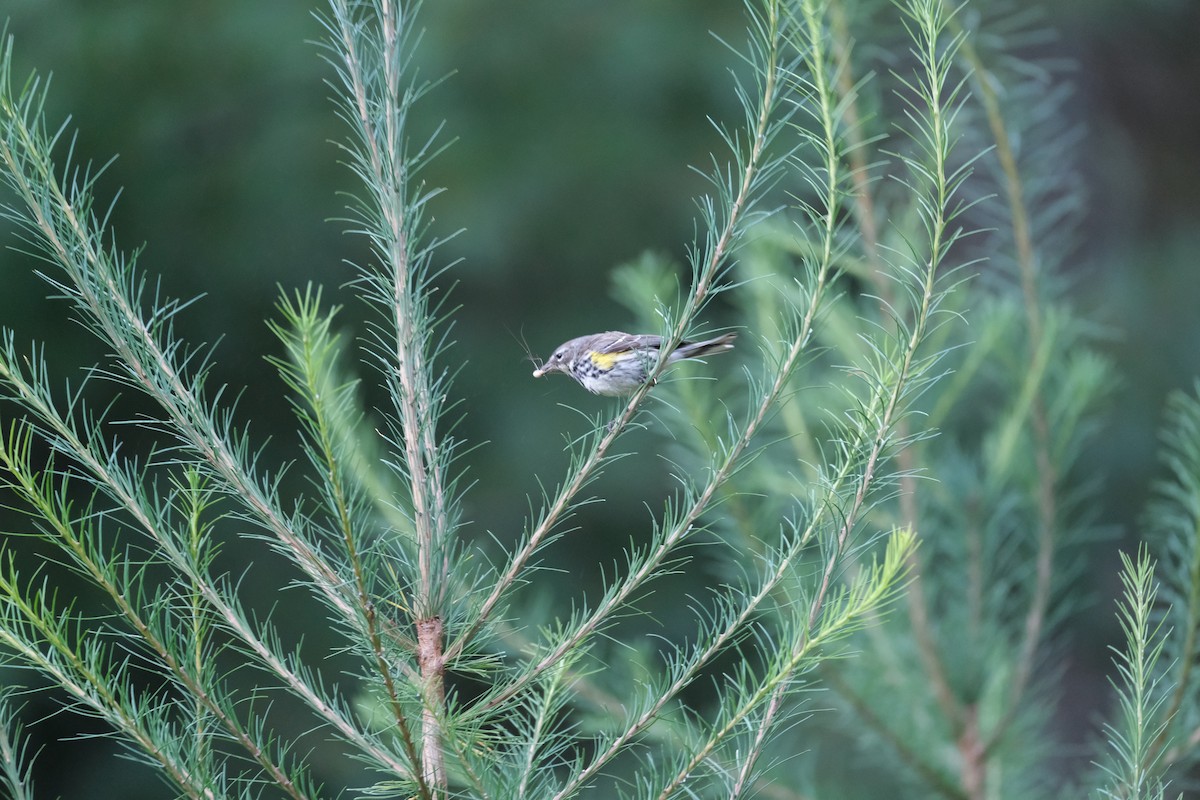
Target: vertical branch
(868, 225)
(390, 170)
(195, 497)
(1174, 514)
(1136, 764)
(824, 90)
(937, 57)
(16, 768)
(1047, 475)
(429, 656)
(937, 212)
(931, 114)
(378, 106)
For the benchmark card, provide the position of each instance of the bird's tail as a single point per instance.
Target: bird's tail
(706, 348)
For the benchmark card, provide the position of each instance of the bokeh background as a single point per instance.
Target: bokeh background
(574, 125)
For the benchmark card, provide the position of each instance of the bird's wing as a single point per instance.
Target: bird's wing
(628, 341)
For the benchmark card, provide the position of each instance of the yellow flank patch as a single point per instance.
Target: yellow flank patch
(605, 360)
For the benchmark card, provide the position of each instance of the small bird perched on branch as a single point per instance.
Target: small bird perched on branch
(614, 363)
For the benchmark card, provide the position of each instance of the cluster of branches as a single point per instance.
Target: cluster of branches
(813, 459)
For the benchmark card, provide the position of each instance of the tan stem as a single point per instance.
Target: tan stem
(432, 663)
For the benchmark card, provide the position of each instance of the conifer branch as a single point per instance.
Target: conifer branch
(866, 213)
(105, 290)
(121, 486)
(456, 690)
(763, 126)
(1136, 762)
(1173, 517)
(16, 764)
(1047, 485)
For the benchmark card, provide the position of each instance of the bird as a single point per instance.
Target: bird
(615, 363)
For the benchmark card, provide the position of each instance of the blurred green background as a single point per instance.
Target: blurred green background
(574, 124)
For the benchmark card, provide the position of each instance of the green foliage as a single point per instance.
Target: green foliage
(1173, 523)
(1160, 618)
(15, 765)
(843, 223)
(1135, 738)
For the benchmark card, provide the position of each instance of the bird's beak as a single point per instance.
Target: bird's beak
(540, 371)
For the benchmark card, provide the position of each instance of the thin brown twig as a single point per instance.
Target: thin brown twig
(429, 656)
(864, 203)
(1047, 477)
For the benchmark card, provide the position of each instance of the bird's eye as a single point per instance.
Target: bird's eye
(558, 356)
